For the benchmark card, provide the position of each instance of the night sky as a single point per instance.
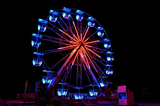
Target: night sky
(129, 26)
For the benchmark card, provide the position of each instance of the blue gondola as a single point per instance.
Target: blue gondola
(100, 31)
(91, 22)
(79, 16)
(53, 16)
(46, 80)
(36, 61)
(36, 35)
(93, 92)
(66, 14)
(78, 96)
(42, 25)
(62, 92)
(35, 43)
(109, 71)
(110, 58)
(106, 44)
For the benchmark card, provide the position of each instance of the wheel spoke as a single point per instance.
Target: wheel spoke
(59, 22)
(51, 37)
(67, 72)
(56, 32)
(90, 36)
(95, 66)
(67, 35)
(81, 29)
(67, 47)
(60, 61)
(97, 55)
(99, 51)
(85, 33)
(77, 73)
(61, 41)
(59, 49)
(70, 28)
(70, 78)
(70, 19)
(105, 50)
(50, 40)
(92, 42)
(85, 50)
(76, 30)
(45, 63)
(86, 73)
(57, 39)
(85, 60)
(93, 52)
(100, 61)
(63, 22)
(75, 58)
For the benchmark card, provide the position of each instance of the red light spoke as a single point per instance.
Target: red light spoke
(96, 48)
(67, 35)
(85, 33)
(91, 42)
(88, 55)
(75, 58)
(76, 30)
(95, 66)
(84, 56)
(81, 36)
(58, 49)
(93, 52)
(65, 40)
(65, 43)
(85, 60)
(67, 47)
(68, 27)
(75, 36)
(90, 37)
(81, 29)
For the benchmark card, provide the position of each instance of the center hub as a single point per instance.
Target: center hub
(81, 43)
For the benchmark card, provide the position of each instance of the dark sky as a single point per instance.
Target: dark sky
(129, 26)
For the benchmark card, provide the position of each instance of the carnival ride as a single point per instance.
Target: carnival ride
(75, 52)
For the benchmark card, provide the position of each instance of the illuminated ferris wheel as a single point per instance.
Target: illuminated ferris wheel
(74, 50)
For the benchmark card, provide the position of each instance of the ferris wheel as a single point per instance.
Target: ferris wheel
(74, 50)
